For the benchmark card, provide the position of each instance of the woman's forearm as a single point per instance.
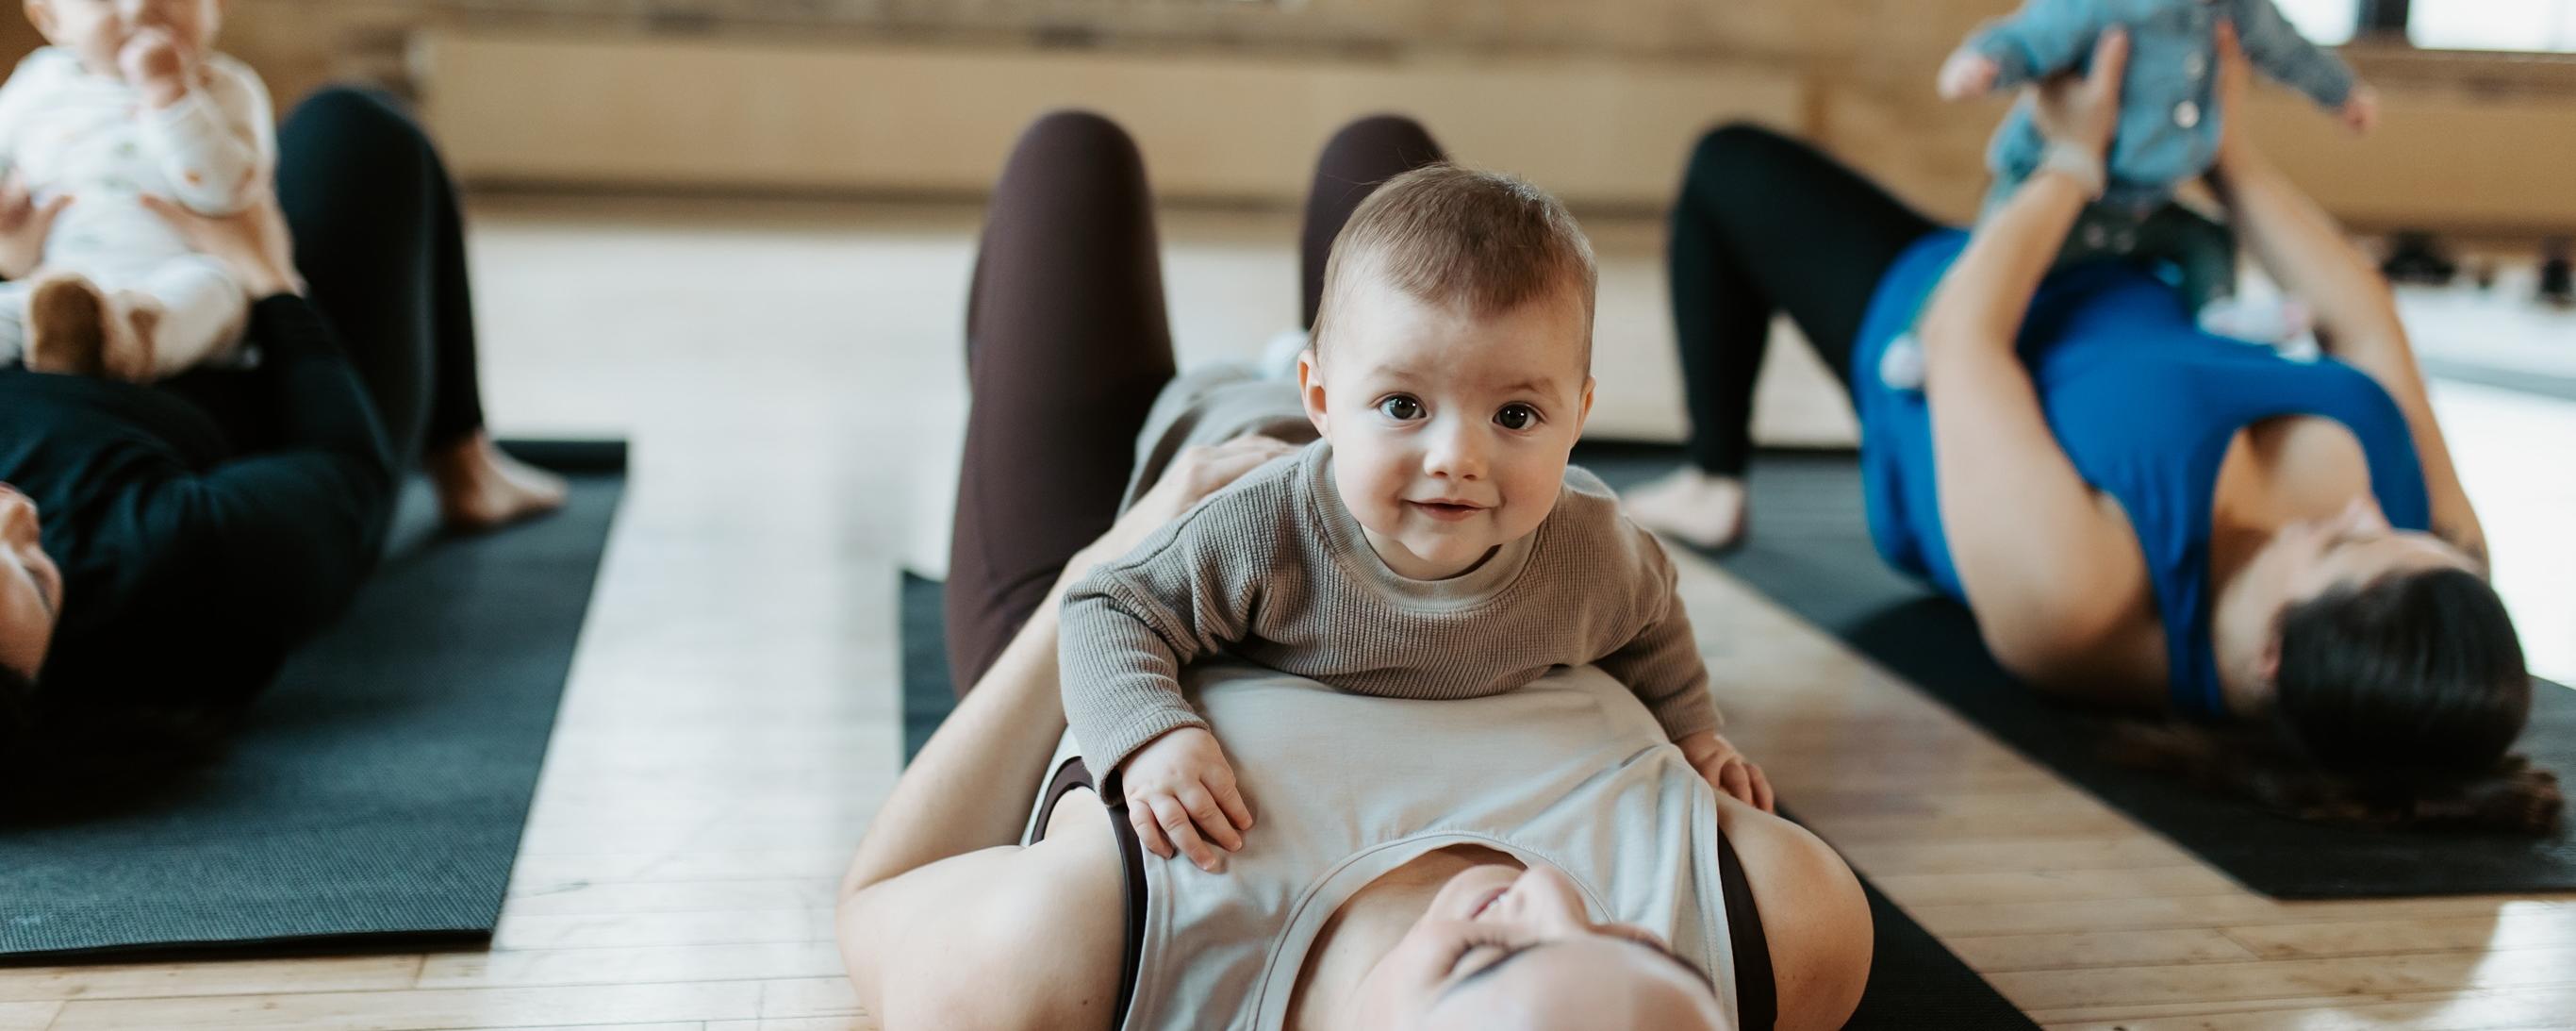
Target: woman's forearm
(971, 786)
(2299, 244)
(1986, 293)
(2303, 249)
(2021, 522)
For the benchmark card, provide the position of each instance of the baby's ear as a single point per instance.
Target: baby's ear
(1310, 387)
(1584, 414)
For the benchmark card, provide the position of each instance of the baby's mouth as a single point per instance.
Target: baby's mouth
(1450, 511)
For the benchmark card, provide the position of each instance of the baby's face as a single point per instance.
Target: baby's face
(1449, 433)
(95, 30)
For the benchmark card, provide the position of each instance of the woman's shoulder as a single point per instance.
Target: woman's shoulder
(1049, 917)
(1816, 919)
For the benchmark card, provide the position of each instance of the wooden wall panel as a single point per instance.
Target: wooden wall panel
(661, 113)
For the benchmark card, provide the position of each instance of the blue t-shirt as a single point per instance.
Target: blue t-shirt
(2143, 403)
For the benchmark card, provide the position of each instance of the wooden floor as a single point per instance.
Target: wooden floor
(790, 378)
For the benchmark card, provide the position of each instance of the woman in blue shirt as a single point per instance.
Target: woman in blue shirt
(2138, 513)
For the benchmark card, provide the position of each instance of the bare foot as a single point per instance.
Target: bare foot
(67, 322)
(1697, 508)
(133, 336)
(480, 487)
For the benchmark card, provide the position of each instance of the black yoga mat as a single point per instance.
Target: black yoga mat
(1914, 983)
(1809, 549)
(374, 795)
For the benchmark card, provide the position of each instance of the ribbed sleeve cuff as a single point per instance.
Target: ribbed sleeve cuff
(1688, 714)
(1106, 745)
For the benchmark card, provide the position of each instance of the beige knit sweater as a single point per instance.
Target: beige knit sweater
(1275, 570)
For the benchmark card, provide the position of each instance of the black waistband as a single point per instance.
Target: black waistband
(1757, 992)
(1131, 858)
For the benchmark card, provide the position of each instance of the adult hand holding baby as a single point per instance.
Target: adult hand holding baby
(1198, 471)
(253, 243)
(1181, 793)
(24, 225)
(1726, 769)
(2083, 111)
(157, 63)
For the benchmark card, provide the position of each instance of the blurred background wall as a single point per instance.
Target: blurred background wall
(1598, 99)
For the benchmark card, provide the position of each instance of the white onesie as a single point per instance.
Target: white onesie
(68, 130)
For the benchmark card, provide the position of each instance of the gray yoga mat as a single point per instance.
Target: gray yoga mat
(374, 795)
(1809, 549)
(1914, 982)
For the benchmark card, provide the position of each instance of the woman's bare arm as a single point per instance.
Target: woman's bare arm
(2032, 545)
(972, 784)
(2303, 249)
(941, 895)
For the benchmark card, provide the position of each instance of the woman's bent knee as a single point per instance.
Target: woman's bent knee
(358, 115)
(1075, 135)
(1736, 144)
(1384, 132)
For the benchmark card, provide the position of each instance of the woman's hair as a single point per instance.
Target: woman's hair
(59, 761)
(2396, 703)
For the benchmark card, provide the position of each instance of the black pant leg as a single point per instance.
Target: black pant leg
(380, 245)
(1360, 156)
(1067, 345)
(1768, 224)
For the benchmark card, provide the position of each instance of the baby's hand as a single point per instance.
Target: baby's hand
(1968, 74)
(24, 224)
(1180, 792)
(1726, 769)
(2360, 110)
(153, 62)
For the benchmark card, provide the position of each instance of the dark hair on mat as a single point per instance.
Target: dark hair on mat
(17, 697)
(2396, 704)
(59, 762)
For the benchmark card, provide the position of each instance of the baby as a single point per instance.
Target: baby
(126, 103)
(2168, 132)
(1432, 544)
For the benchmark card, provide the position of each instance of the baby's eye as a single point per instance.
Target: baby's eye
(1401, 408)
(1516, 417)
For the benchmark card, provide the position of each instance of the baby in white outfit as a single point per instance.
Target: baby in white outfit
(127, 102)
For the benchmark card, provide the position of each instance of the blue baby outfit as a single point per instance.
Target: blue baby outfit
(2169, 119)
(2144, 404)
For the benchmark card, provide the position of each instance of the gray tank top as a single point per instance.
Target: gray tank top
(1570, 771)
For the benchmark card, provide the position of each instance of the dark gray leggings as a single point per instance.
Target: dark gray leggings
(1067, 344)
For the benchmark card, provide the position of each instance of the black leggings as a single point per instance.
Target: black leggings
(1067, 344)
(1768, 224)
(380, 245)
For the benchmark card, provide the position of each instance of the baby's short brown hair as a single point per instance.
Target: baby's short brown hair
(1482, 242)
